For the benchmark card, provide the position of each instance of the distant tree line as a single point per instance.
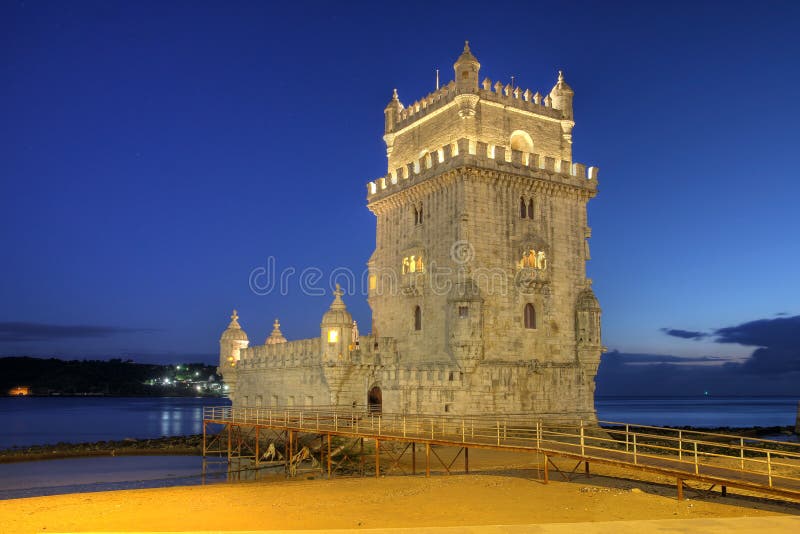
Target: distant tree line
(114, 377)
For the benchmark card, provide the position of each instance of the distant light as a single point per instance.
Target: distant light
(199, 388)
(197, 373)
(178, 367)
(226, 387)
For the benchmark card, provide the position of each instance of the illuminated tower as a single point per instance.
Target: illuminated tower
(479, 266)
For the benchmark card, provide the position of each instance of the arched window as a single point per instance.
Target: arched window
(420, 214)
(417, 318)
(530, 208)
(522, 208)
(521, 141)
(530, 316)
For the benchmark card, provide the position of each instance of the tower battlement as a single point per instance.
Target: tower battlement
(516, 97)
(465, 152)
(493, 113)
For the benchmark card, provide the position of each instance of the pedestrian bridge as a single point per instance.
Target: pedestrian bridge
(332, 440)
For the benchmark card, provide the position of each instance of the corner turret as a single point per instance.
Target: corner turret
(336, 330)
(561, 99)
(336, 339)
(231, 342)
(561, 96)
(392, 112)
(467, 69)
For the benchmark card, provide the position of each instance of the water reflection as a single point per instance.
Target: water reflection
(47, 420)
(78, 475)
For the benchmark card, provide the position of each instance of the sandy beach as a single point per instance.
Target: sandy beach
(505, 489)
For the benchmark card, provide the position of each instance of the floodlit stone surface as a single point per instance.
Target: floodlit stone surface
(478, 281)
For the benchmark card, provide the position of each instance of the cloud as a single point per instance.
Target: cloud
(684, 334)
(11, 332)
(777, 339)
(777, 332)
(666, 375)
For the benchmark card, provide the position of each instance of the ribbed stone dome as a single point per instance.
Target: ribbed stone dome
(466, 56)
(561, 87)
(337, 314)
(587, 300)
(234, 332)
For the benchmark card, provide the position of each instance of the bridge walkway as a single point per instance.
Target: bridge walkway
(762, 466)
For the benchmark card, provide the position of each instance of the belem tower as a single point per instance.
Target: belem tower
(477, 284)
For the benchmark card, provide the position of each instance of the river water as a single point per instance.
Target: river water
(48, 420)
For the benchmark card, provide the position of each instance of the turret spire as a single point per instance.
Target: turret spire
(466, 69)
(276, 336)
(338, 303)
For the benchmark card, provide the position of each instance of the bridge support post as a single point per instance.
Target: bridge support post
(679, 483)
(377, 458)
(466, 460)
(724, 491)
(546, 475)
(427, 459)
(329, 455)
(413, 458)
(257, 456)
(586, 468)
(361, 455)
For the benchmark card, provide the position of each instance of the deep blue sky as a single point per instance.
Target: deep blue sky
(152, 154)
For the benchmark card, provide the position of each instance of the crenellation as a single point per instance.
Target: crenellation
(450, 155)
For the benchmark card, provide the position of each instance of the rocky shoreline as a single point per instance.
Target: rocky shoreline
(177, 445)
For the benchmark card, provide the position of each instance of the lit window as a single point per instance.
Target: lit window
(530, 316)
(373, 281)
(413, 264)
(333, 336)
(533, 259)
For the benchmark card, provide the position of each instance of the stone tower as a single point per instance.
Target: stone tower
(477, 284)
(481, 245)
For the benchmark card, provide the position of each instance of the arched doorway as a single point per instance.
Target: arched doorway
(375, 400)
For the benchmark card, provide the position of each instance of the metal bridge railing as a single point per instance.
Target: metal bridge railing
(712, 455)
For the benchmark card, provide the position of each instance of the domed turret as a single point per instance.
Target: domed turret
(467, 68)
(587, 301)
(233, 339)
(336, 329)
(587, 318)
(337, 314)
(234, 331)
(392, 112)
(561, 96)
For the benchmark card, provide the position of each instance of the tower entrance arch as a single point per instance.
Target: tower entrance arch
(375, 399)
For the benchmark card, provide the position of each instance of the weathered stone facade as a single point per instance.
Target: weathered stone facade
(477, 284)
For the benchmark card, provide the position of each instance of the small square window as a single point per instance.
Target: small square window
(463, 312)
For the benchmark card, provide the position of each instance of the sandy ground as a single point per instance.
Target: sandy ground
(504, 489)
